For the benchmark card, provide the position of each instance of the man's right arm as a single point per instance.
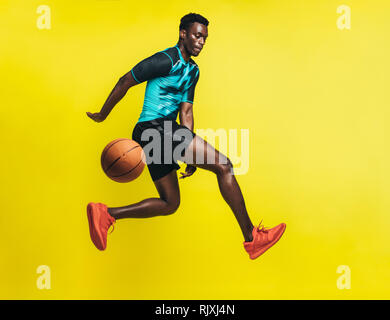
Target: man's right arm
(157, 65)
(119, 91)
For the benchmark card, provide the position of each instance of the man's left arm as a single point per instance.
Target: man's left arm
(186, 115)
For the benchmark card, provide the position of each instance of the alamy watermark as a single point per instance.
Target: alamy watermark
(344, 20)
(44, 280)
(44, 20)
(344, 280)
(164, 145)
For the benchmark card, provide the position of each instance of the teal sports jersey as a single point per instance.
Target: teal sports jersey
(170, 81)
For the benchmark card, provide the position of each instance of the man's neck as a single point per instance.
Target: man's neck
(184, 53)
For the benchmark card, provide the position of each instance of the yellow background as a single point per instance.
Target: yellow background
(314, 98)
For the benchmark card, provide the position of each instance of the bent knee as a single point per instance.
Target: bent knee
(226, 167)
(171, 207)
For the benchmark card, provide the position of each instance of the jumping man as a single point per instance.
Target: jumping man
(171, 77)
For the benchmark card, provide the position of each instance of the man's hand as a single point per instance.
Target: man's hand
(98, 117)
(189, 171)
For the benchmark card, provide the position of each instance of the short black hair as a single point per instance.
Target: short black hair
(190, 18)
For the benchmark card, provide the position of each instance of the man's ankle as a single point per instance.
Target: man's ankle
(248, 238)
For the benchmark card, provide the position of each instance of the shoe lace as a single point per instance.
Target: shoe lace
(261, 227)
(112, 230)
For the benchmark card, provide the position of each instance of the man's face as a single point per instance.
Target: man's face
(194, 38)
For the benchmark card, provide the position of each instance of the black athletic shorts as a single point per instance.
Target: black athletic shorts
(164, 144)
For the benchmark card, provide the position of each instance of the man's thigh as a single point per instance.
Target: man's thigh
(202, 154)
(168, 187)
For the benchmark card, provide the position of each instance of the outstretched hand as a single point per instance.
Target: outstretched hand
(98, 117)
(189, 171)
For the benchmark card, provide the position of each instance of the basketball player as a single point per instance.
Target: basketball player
(171, 77)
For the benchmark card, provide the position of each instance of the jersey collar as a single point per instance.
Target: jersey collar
(180, 55)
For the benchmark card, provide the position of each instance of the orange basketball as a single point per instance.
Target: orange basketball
(123, 160)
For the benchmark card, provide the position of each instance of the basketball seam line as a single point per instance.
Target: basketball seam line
(105, 152)
(116, 160)
(123, 174)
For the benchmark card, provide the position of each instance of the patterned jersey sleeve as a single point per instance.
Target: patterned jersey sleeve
(188, 95)
(158, 65)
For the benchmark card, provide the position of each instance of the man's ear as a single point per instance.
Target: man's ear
(183, 34)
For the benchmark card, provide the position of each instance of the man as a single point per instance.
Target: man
(172, 76)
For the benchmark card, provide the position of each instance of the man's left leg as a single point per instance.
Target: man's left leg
(196, 154)
(257, 240)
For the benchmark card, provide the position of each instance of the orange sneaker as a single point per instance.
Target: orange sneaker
(263, 239)
(99, 222)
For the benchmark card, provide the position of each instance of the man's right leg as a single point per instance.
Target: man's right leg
(101, 218)
(169, 201)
